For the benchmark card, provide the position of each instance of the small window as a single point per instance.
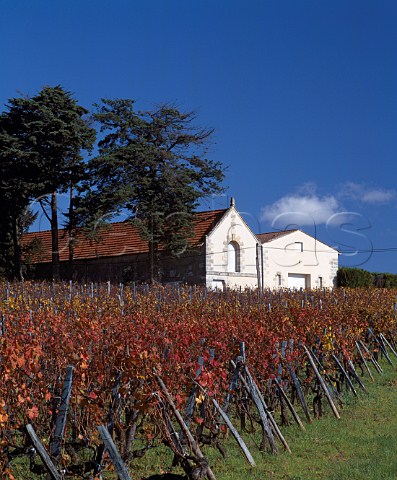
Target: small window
(299, 246)
(320, 282)
(278, 280)
(233, 260)
(218, 285)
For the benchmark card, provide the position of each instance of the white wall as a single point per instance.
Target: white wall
(231, 228)
(317, 261)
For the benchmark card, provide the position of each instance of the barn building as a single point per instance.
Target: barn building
(223, 252)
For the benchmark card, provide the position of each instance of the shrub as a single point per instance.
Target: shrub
(357, 277)
(353, 277)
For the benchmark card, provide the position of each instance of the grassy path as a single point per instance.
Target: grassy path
(361, 445)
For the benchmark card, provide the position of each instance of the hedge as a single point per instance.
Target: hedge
(357, 277)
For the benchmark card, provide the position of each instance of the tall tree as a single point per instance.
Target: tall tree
(154, 165)
(16, 192)
(50, 132)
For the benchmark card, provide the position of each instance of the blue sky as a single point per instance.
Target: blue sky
(302, 96)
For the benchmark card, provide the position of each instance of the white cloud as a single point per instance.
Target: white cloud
(301, 209)
(362, 193)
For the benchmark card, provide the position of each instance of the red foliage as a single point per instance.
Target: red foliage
(48, 327)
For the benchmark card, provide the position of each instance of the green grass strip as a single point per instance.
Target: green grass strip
(362, 444)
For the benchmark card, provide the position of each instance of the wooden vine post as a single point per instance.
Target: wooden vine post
(356, 377)
(195, 447)
(299, 392)
(364, 361)
(322, 383)
(388, 344)
(55, 444)
(46, 459)
(235, 434)
(375, 363)
(119, 466)
(110, 423)
(382, 344)
(344, 373)
(223, 413)
(330, 386)
(289, 404)
(233, 384)
(266, 418)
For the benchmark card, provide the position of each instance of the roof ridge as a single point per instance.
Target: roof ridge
(279, 231)
(267, 237)
(123, 222)
(116, 238)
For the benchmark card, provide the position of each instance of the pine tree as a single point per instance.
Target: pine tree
(49, 132)
(152, 164)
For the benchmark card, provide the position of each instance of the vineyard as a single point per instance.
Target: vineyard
(93, 377)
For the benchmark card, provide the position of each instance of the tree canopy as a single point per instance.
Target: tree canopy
(41, 142)
(152, 164)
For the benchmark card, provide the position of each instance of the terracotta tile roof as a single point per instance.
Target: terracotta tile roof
(269, 236)
(119, 238)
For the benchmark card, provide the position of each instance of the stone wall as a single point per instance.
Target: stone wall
(188, 268)
(232, 228)
(316, 260)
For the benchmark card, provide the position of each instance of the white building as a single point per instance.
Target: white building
(236, 257)
(230, 252)
(294, 259)
(223, 252)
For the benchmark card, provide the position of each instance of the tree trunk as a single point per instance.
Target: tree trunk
(54, 237)
(17, 250)
(151, 262)
(154, 262)
(70, 233)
